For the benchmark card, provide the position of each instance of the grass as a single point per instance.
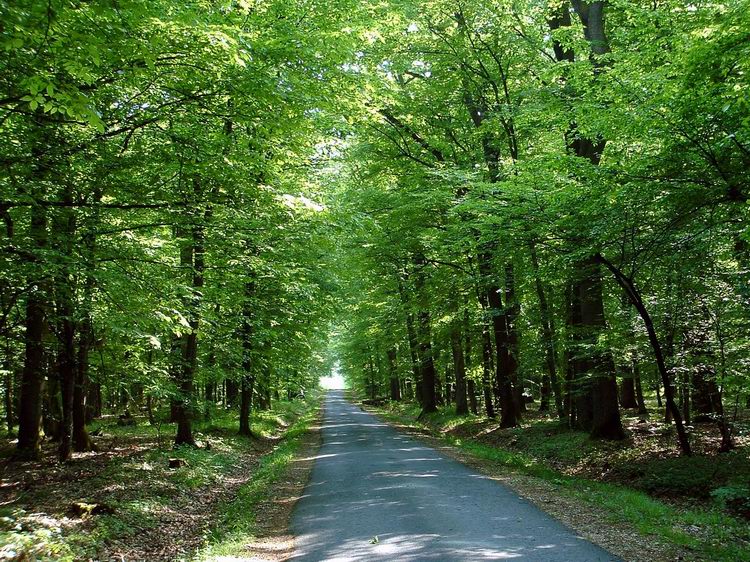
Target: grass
(137, 485)
(706, 531)
(238, 520)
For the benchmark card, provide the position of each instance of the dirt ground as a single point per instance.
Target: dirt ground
(173, 515)
(273, 540)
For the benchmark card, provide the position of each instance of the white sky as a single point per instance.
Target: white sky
(334, 381)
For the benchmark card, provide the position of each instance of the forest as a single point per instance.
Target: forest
(516, 225)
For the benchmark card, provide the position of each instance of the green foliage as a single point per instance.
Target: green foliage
(699, 476)
(20, 536)
(147, 486)
(198, 195)
(734, 497)
(168, 153)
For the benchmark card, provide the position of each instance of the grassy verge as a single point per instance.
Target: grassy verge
(237, 523)
(132, 479)
(705, 531)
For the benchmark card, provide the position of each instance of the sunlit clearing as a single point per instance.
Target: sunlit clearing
(334, 381)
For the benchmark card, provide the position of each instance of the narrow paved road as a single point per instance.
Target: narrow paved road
(371, 481)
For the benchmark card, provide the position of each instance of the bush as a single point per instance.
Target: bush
(696, 477)
(734, 498)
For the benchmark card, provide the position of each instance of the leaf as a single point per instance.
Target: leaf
(182, 320)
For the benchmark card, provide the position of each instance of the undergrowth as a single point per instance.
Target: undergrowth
(237, 523)
(137, 487)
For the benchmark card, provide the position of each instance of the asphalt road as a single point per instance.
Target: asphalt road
(371, 481)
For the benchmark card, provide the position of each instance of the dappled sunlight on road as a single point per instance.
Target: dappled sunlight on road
(378, 495)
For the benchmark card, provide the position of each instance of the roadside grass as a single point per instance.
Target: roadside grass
(541, 447)
(237, 524)
(135, 484)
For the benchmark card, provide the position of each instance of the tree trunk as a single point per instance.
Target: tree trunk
(459, 370)
(64, 231)
(67, 368)
(581, 410)
(635, 298)
(487, 367)
(246, 403)
(81, 409)
(627, 399)
(264, 384)
(544, 393)
(569, 355)
(727, 442)
(192, 259)
(504, 363)
(9, 383)
(209, 393)
(411, 334)
(704, 387)
(487, 354)
(439, 399)
(81, 439)
(550, 379)
(67, 374)
(232, 390)
(93, 402)
(448, 387)
(642, 410)
(429, 376)
(471, 390)
(512, 311)
(52, 411)
(393, 375)
(470, 386)
(247, 382)
(5, 330)
(8, 394)
(175, 370)
(606, 422)
(30, 405)
(509, 389)
(503, 327)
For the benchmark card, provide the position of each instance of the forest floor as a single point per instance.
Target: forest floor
(637, 498)
(132, 506)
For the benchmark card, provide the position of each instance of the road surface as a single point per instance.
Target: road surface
(375, 494)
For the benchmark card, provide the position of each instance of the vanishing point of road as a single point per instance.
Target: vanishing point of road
(376, 494)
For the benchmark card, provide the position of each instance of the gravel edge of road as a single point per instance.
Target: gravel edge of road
(273, 540)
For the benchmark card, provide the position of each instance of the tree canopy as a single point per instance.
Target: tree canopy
(460, 202)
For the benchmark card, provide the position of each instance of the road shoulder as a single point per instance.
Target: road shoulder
(273, 539)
